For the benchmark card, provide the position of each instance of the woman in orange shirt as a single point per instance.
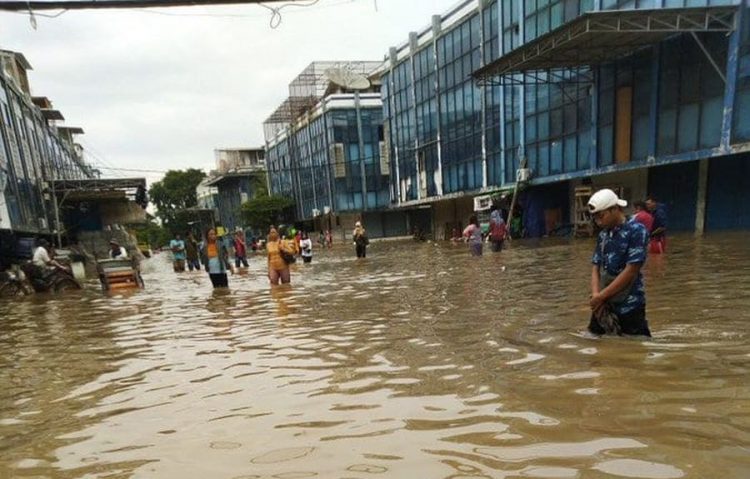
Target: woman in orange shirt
(215, 258)
(278, 248)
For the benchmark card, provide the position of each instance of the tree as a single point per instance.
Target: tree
(264, 211)
(175, 192)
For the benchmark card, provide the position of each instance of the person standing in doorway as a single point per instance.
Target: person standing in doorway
(359, 235)
(498, 230)
(306, 246)
(240, 250)
(280, 255)
(215, 258)
(177, 245)
(618, 298)
(192, 252)
(642, 216)
(473, 235)
(658, 244)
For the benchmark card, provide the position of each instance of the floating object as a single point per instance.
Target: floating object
(118, 274)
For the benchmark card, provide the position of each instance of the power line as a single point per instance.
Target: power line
(25, 6)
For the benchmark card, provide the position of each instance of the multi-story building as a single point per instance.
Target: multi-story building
(239, 173)
(34, 151)
(648, 96)
(324, 149)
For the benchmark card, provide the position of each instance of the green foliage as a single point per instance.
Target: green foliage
(175, 192)
(153, 234)
(259, 185)
(263, 211)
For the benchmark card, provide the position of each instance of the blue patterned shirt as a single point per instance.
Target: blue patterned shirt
(615, 249)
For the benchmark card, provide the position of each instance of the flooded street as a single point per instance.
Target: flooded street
(418, 362)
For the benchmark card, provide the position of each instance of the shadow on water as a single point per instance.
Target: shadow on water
(419, 361)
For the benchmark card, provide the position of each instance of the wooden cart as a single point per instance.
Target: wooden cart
(117, 274)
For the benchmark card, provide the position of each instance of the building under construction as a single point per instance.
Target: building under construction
(324, 149)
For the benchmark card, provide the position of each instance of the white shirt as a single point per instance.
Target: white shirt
(123, 254)
(41, 257)
(306, 247)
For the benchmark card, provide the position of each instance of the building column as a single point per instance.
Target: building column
(700, 200)
(358, 108)
(500, 9)
(482, 93)
(436, 31)
(413, 43)
(393, 57)
(653, 120)
(730, 88)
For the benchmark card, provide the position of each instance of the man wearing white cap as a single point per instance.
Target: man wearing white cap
(618, 299)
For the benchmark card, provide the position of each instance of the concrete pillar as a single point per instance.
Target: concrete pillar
(437, 30)
(700, 197)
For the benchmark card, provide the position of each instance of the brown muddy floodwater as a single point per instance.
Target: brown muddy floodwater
(418, 362)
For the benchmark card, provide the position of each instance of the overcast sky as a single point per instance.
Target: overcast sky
(161, 89)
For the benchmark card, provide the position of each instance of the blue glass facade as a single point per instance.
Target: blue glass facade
(449, 135)
(331, 158)
(31, 151)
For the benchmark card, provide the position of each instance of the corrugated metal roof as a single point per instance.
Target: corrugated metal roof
(601, 37)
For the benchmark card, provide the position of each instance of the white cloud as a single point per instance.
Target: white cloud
(162, 91)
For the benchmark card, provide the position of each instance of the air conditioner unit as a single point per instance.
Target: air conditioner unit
(326, 210)
(523, 175)
(43, 223)
(315, 212)
(482, 203)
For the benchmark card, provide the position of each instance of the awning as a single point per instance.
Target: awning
(242, 173)
(605, 36)
(50, 114)
(98, 187)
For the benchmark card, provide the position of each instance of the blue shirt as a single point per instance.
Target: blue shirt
(660, 218)
(615, 249)
(178, 255)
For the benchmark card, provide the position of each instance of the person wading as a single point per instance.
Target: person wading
(498, 230)
(240, 250)
(306, 245)
(618, 299)
(280, 255)
(215, 258)
(658, 244)
(178, 253)
(192, 252)
(473, 234)
(359, 235)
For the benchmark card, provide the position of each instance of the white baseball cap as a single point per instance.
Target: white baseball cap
(357, 224)
(605, 199)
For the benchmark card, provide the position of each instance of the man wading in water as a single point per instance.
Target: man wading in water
(618, 300)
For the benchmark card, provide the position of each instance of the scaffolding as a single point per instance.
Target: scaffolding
(306, 91)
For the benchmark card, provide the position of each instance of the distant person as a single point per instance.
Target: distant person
(642, 216)
(329, 239)
(359, 235)
(498, 230)
(42, 258)
(658, 244)
(215, 259)
(116, 251)
(618, 299)
(306, 246)
(473, 235)
(297, 238)
(177, 245)
(516, 223)
(280, 255)
(192, 252)
(321, 239)
(240, 250)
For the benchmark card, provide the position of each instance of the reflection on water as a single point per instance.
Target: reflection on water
(420, 361)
